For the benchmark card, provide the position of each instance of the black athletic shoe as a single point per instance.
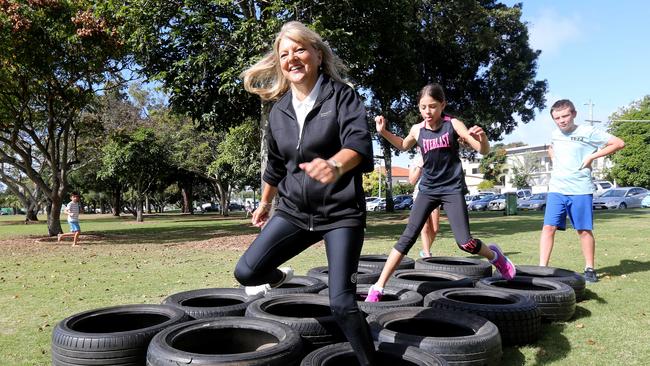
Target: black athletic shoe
(590, 275)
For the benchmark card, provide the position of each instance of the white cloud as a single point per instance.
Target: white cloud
(550, 31)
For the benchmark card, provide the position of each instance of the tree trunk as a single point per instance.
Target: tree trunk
(54, 216)
(264, 150)
(139, 217)
(30, 215)
(388, 163)
(117, 201)
(186, 187)
(222, 194)
(147, 204)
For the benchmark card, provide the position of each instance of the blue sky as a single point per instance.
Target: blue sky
(594, 50)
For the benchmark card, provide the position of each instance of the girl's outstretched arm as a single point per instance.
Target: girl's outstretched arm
(474, 137)
(402, 144)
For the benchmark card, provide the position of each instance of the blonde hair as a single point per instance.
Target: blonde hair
(265, 77)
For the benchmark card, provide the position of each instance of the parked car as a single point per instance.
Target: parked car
(375, 205)
(405, 203)
(535, 202)
(233, 206)
(480, 204)
(601, 186)
(498, 203)
(524, 194)
(209, 207)
(620, 198)
(485, 193)
(646, 201)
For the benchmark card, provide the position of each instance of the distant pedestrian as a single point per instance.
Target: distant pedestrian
(570, 190)
(249, 209)
(72, 210)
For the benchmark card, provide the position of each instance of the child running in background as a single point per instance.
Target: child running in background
(442, 183)
(72, 210)
(432, 225)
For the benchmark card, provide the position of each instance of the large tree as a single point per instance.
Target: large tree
(631, 123)
(477, 49)
(493, 164)
(53, 57)
(139, 161)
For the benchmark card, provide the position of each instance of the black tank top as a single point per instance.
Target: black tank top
(442, 171)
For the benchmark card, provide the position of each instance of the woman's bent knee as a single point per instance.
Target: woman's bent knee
(243, 273)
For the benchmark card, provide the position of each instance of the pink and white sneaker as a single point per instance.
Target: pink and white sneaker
(502, 263)
(374, 294)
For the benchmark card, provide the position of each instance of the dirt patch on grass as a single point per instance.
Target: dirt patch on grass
(32, 243)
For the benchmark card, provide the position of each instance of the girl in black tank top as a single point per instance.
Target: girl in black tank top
(442, 182)
(442, 171)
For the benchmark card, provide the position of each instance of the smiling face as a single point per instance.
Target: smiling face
(564, 119)
(431, 109)
(299, 63)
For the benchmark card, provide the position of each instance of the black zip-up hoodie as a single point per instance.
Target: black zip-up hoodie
(337, 120)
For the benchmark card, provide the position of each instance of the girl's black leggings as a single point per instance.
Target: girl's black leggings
(456, 210)
(280, 240)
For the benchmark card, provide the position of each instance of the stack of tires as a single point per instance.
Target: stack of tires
(435, 311)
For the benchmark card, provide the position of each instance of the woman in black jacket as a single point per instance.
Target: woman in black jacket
(318, 147)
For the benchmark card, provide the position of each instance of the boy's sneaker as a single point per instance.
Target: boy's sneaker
(374, 294)
(590, 275)
(424, 255)
(263, 289)
(503, 264)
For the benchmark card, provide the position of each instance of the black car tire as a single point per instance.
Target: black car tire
(364, 275)
(308, 314)
(112, 335)
(377, 261)
(299, 285)
(342, 354)
(571, 278)
(228, 341)
(517, 316)
(556, 300)
(211, 302)
(426, 281)
(393, 298)
(460, 338)
(470, 267)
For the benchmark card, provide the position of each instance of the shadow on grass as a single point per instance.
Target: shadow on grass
(390, 226)
(173, 234)
(626, 266)
(552, 344)
(512, 356)
(581, 313)
(485, 224)
(590, 295)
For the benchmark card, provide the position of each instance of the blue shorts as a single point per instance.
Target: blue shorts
(577, 207)
(74, 226)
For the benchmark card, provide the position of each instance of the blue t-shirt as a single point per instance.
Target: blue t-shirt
(569, 151)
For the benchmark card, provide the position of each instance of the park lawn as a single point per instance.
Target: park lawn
(43, 282)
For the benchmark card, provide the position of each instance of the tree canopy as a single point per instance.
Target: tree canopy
(54, 55)
(631, 165)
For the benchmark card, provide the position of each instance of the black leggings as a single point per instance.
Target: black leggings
(456, 211)
(281, 240)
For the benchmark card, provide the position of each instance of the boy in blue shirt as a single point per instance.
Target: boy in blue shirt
(571, 189)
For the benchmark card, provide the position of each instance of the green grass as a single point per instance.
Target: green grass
(44, 282)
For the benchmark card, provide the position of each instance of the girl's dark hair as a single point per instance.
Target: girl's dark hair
(434, 91)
